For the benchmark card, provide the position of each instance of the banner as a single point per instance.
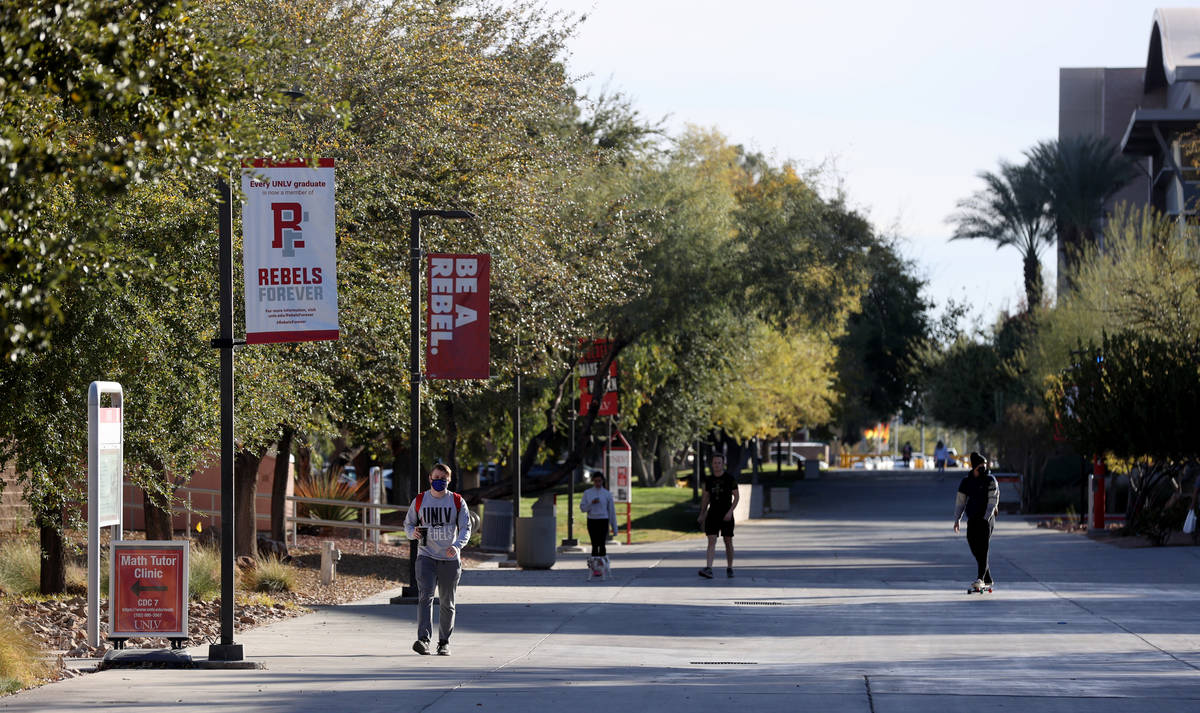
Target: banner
(289, 252)
(589, 363)
(457, 318)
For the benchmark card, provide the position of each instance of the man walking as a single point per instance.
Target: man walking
(440, 520)
(978, 497)
(716, 513)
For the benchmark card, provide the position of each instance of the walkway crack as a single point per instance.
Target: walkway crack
(870, 696)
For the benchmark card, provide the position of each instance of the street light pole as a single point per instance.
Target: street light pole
(408, 594)
(226, 650)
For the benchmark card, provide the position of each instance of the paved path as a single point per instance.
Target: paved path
(855, 603)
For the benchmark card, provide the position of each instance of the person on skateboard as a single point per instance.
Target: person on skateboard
(978, 497)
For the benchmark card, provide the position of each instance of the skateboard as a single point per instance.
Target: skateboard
(985, 588)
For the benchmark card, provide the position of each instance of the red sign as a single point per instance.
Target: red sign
(589, 363)
(457, 318)
(149, 589)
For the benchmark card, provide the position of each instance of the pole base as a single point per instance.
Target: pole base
(570, 542)
(225, 652)
(408, 595)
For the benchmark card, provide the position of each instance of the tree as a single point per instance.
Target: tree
(1079, 175)
(1011, 210)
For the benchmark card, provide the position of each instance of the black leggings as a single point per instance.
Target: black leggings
(598, 531)
(979, 537)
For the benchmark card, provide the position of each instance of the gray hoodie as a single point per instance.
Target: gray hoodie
(446, 527)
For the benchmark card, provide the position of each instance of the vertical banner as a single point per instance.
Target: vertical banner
(596, 351)
(289, 252)
(457, 319)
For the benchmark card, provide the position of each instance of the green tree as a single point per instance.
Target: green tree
(1011, 210)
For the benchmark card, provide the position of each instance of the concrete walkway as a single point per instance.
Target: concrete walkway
(855, 603)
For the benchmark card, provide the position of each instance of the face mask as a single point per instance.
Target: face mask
(439, 484)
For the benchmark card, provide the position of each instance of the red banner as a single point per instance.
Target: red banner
(458, 346)
(589, 364)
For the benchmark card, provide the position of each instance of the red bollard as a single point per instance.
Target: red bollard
(1099, 470)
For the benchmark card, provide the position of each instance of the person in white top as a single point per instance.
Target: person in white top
(597, 502)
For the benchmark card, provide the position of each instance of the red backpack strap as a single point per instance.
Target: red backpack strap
(417, 504)
(457, 503)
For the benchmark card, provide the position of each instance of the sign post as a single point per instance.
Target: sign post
(376, 486)
(618, 467)
(105, 497)
(148, 589)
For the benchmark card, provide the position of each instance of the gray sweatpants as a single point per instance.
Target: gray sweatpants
(444, 574)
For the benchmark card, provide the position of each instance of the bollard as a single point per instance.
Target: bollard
(330, 555)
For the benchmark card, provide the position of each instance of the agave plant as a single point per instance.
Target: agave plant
(329, 487)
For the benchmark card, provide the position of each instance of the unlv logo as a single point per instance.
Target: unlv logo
(287, 233)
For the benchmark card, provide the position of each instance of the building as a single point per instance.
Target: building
(1145, 111)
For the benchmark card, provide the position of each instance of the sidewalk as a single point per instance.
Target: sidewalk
(855, 603)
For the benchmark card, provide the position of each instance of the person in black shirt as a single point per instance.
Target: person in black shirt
(716, 513)
(978, 497)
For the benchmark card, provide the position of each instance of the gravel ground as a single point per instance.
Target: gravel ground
(60, 625)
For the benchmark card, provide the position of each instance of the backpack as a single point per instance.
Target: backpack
(458, 501)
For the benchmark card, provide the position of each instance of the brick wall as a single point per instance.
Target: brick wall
(14, 513)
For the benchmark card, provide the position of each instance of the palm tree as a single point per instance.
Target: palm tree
(1013, 210)
(1079, 175)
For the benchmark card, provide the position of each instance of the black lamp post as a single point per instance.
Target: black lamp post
(409, 594)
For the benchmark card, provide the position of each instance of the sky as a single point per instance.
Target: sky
(906, 102)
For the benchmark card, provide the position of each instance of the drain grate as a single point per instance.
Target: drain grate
(723, 663)
(758, 604)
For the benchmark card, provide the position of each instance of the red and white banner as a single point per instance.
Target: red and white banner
(459, 344)
(589, 364)
(289, 252)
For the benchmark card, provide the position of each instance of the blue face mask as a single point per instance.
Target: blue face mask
(439, 484)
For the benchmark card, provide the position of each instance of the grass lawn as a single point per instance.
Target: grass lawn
(658, 514)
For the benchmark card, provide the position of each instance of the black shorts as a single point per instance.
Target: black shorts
(718, 525)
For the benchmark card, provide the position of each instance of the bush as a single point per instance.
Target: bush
(270, 574)
(204, 575)
(20, 568)
(21, 662)
(328, 487)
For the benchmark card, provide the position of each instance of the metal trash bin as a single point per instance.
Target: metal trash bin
(497, 531)
(537, 536)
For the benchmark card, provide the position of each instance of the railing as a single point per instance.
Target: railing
(363, 526)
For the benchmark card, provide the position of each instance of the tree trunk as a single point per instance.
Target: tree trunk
(666, 464)
(53, 577)
(638, 462)
(245, 488)
(1033, 282)
(158, 519)
(279, 484)
(401, 494)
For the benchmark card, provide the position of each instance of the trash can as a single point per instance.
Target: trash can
(536, 536)
(497, 531)
(812, 469)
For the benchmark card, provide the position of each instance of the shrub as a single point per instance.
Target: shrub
(328, 487)
(21, 662)
(20, 567)
(204, 576)
(270, 575)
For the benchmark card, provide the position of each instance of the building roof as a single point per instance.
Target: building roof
(1139, 138)
(1174, 47)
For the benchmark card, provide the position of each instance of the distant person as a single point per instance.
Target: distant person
(716, 513)
(906, 452)
(597, 502)
(940, 455)
(978, 497)
(442, 523)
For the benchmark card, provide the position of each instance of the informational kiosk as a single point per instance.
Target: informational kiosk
(105, 467)
(618, 467)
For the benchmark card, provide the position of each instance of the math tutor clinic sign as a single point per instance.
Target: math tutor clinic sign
(458, 346)
(149, 589)
(289, 252)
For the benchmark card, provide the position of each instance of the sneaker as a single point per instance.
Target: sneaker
(421, 647)
(706, 573)
(729, 572)
(443, 648)
(977, 585)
